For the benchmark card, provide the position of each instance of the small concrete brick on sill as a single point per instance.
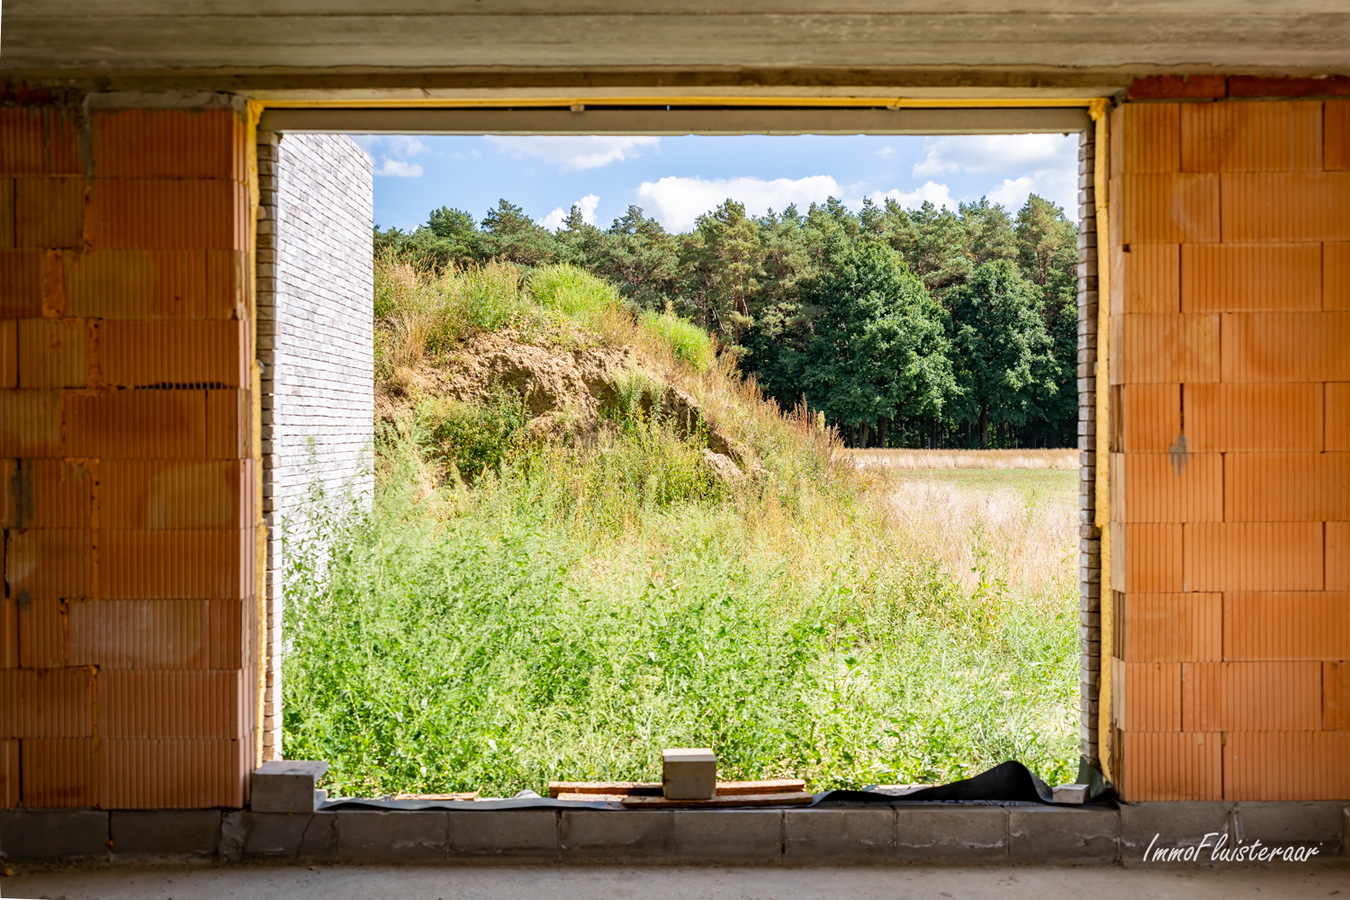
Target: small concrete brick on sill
(287, 786)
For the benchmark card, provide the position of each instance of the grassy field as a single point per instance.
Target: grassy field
(583, 605)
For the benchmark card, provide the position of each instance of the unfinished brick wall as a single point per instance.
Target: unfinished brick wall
(316, 343)
(127, 675)
(1230, 471)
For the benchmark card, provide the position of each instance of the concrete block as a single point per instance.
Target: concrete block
(320, 840)
(728, 834)
(1317, 823)
(952, 833)
(286, 786)
(688, 774)
(629, 834)
(506, 833)
(164, 832)
(1071, 793)
(1173, 824)
(1055, 833)
(268, 835)
(53, 834)
(378, 836)
(859, 834)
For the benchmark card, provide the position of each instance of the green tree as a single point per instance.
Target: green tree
(724, 264)
(511, 235)
(1002, 349)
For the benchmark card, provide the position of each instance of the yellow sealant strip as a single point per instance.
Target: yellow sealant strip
(255, 110)
(1102, 516)
(693, 100)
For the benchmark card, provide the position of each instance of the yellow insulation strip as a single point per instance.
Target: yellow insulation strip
(255, 110)
(1103, 518)
(505, 102)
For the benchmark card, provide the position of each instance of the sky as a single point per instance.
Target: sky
(676, 179)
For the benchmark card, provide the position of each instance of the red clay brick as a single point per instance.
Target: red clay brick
(1336, 276)
(49, 212)
(1286, 626)
(1251, 696)
(229, 424)
(21, 275)
(9, 774)
(50, 562)
(1146, 696)
(1287, 85)
(175, 773)
(1160, 487)
(1169, 208)
(200, 704)
(1251, 277)
(170, 143)
(229, 289)
(1338, 416)
(1282, 208)
(156, 495)
(127, 214)
(1169, 627)
(53, 353)
(1286, 765)
(1251, 137)
(1178, 87)
(23, 141)
(1146, 558)
(166, 565)
(137, 284)
(1171, 766)
(1250, 556)
(1338, 556)
(141, 354)
(1146, 278)
(1286, 347)
(1226, 417)
(42, 633)
(159, 634)
(1336, 696)
(6, 213)
(9, 354)
(137, 424)
(30, 423)
(1336, 486)
(53, 493)
(47, 703)
(1275, 487)
(9, 633)
(1151, 138)
(1336, 134)
(1165, 349)
(1145, 418)
(60, 772)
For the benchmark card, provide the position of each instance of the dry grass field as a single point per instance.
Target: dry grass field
(966, 459)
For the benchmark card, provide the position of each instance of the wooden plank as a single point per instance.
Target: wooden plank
(785, 798)
(467, 795)
(621, 788)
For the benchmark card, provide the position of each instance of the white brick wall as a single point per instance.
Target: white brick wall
(315, 342)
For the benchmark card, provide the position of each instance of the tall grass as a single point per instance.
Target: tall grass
(574, 608)
(966, 459)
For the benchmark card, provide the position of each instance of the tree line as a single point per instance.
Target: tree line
(906, 328)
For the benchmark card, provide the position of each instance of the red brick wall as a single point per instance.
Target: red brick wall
(1230, 468)
(127, 674)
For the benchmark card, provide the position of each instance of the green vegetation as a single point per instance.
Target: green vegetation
(509, 610)
(891, 346)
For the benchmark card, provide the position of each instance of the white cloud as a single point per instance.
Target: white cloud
(937, 194)
(554, 220)
(677, 201)
(399, 168)
(387, 153)
(572, 153)
(1004, 153)
(1056, 185)
(886, 152)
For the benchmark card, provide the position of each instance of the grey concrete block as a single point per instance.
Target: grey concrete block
(285, 786)
(272, 835)
(626, 834)
(53, 834)
(1304, 823)
(413, 836)
(320, 840)
(505, 833)
(952, 833)
(1172, 824)
(1056, 833)
(728, 834)
(867, 833)
(164, 832)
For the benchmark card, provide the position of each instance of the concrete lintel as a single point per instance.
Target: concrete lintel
(173, 99)
(726, 835)
(993, 120)
(1318, 823)
(503, 834)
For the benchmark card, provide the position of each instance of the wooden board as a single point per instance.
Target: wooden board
(557, 789)
(468, 795)
(785, 798)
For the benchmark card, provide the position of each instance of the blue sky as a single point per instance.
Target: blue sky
(677, 178)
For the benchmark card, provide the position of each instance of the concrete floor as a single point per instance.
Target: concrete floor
(546, 883)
